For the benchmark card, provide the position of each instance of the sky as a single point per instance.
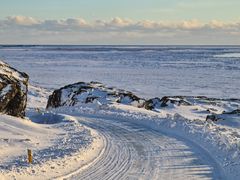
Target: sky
(120, 22)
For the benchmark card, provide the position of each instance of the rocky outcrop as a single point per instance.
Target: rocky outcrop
(153, 103)
(177, 100)
(223, 115)
(212, 117)
(237, 111)
(13, 90)
(157, 103)
(96, 93)
(92, 93)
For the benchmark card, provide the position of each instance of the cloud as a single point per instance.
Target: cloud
(115, 24)
(118, 30)
(76, 22)
(192, 24)
(119, 22)
(22, 20)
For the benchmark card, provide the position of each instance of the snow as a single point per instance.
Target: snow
(37, 97)
(163, 71)
(21, 134)
(81, 93)
(103, 141)
(59, 143)
(7, 70)
(5, 90)
(229, 55)
(183, 117)
(73, 149)
(137, 152)
(221, 142)
(230, 121)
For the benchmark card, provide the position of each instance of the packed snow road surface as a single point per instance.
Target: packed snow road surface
(136, 152)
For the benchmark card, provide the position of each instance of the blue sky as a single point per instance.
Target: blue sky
(134, 9)
(135, 19)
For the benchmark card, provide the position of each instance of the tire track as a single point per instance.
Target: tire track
(135, 152)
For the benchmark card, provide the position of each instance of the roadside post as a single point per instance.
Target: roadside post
(29, 151)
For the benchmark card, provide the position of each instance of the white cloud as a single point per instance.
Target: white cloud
(78, 30)
(22, 20)
(119, 22)
(76, 22)
(192, 24)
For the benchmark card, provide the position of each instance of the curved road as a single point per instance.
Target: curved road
(137, 152)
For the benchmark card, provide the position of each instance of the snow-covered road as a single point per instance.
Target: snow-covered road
(136, 152)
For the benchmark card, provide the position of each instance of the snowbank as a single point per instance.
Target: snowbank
(18, 135)
(222, 142)
(60, 144)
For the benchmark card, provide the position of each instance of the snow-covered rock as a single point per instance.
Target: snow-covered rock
(198, 107)
(211, 105)
(13, 90)
(92, 93)
(224, 115)
(156, 103)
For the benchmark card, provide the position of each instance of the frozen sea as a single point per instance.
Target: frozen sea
(149, 71)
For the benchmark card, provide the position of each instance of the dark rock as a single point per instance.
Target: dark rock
(177, 100)
(54, 99)
(157, 103)
(212, 117)
(93, 92)
(152, 104)
(97, 93)
(223, 115)
(237, 111)
(13, 90)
